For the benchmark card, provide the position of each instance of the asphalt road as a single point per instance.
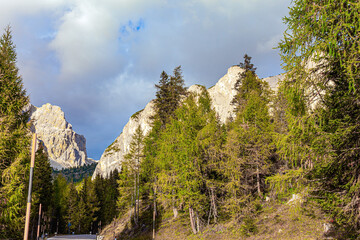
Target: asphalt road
(72, 237)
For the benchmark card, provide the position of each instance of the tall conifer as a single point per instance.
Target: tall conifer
(14, 141)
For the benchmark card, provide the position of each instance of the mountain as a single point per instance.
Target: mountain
(64, 146)
(221, 95)
(114, 154)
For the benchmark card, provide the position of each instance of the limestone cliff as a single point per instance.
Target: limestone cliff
(64, 146)
(221, 94)
(114, 154)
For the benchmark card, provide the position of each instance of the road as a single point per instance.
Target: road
(72, 237)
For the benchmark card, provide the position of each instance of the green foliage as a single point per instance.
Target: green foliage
(106, 190)
(112, 148)
(321, 55)
(248, 227)
(14, 141)
(287, 180)
(249, 147)
(129, 179)
(136, 115)
(60, 203)
(170, 90)
(76, 174)
(125, 183)
(181, 158)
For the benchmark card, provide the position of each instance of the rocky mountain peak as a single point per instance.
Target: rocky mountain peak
(64, 146)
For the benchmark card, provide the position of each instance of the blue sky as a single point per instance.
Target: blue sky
(99, 59)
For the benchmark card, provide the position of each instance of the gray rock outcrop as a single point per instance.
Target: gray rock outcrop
(221, 94)
(64, 146)
(114, 154)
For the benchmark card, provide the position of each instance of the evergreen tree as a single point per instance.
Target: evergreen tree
(132, 163)
(14, 141)
(72, 214)
(246, 77)
(125, 200)
(92, 205)
(248, 147)
(169, 92)
(60, 205)
(107, 194)
(321, 57)
(42, 189)
(181, 177)
(247, 65)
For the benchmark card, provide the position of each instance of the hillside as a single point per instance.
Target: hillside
(276, 219)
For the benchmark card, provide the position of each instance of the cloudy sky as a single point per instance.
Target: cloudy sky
(99, 59)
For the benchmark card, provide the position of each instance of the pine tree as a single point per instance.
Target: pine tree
(42, 189)
(14, 141)
(125, 200)
(181, 177)
(246, 77)
(60, 204)
(132, 163)
(247, 65)
(92, 205)
(108, 201)
(169, 93)
(72, 214)
(248, 147)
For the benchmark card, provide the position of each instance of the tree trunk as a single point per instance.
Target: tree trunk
(138, 192)
(192, 220)
(131, 209)
(213, 204)
(258, 180)
(135, 215)
(175, 211)
(197, 223)
(154, 213)
(209, 216)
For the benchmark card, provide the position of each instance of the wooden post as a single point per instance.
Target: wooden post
(154, 213)
(39, 220)
(28, 206)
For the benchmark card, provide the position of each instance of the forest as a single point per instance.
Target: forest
(302, 139)
(76, 174)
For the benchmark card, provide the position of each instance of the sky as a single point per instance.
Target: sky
(100, 59)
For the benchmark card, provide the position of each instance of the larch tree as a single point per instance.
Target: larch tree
(133, 163)
(320, 51)
(248, 146)
(181, 174)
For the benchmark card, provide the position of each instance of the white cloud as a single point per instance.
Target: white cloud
(75, 53)
(11, 10)
(87, 38)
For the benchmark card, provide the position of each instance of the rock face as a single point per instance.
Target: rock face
(221, 94)
(64, 146)
(114, 154)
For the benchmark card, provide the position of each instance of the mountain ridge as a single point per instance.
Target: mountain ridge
(221, 95)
